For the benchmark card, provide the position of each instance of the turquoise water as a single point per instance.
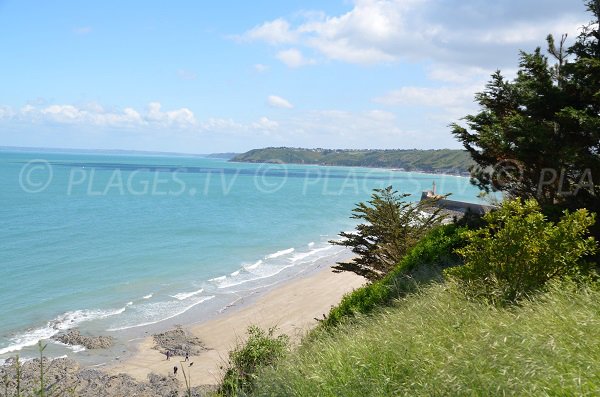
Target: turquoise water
(124, 244)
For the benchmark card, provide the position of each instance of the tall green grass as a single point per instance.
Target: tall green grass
(437, 342)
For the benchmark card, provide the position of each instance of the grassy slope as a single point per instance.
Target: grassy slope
(436, 342)
(423, 160)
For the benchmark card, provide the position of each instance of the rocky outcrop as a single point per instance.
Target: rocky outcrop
(73, 337)
(63, 376)
(178, 342)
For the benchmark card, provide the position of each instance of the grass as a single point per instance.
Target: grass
(437, 342)
(421, 264)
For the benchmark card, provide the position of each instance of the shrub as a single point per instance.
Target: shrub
(261, 349)
(520, 250)
(434, 251)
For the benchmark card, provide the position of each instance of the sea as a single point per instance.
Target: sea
(129, 244)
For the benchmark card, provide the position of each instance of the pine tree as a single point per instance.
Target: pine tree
(538, 136)
(392, 226)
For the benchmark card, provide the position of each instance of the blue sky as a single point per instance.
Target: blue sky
(208, 76)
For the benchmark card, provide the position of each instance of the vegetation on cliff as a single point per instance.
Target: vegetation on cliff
(444, 160)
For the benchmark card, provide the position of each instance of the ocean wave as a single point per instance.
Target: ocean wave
(227, 282)
(280, 253)
(265, 269)
(254, 265)
(147, 296)
(302, 255)
(161, 311)
(63, 322)
(184, 295)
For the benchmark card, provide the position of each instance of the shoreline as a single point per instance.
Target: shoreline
(225, 302)
(462, 174)
(292, 307)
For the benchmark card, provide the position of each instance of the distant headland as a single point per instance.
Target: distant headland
(447, 161)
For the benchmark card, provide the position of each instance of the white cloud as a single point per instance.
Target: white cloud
(152, 118)
(6, 112)
(429, 97)
(374, 128)
(94, 114)
(182, 117)
(458, 33)
(221, 125)
(345, 129)
(260, 68)
(294, 58)
(273, 32)
(264, 123)
(279, 102)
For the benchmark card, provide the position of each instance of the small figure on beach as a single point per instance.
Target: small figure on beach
(168, 353)
(175, 370)
(187, 356)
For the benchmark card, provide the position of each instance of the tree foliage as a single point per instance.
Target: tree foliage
(538, 136)
(520, 250)
(392, 226)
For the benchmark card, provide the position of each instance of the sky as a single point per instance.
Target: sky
(219, 76)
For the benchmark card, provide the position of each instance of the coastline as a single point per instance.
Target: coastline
(462, 174)
(292, 307)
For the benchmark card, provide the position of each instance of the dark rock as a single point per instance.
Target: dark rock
(178, 342)
(73, 337)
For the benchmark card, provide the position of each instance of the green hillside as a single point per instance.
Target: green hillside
(439, 343)
(443, 160)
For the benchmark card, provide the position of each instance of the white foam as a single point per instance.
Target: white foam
(280, 253)
(167, 308)
(77, 348)
(147, 296)
(301, 255)
(311, 244)
(73, 348)
(254, 265)
(261, 270)
(270, 272)
(129, 303)
(184, 295)
(63, 322)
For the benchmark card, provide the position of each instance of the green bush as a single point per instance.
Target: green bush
(261, 349)
(520, 250)
(434, 251)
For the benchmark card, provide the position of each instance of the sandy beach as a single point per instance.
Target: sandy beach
(292, 307)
